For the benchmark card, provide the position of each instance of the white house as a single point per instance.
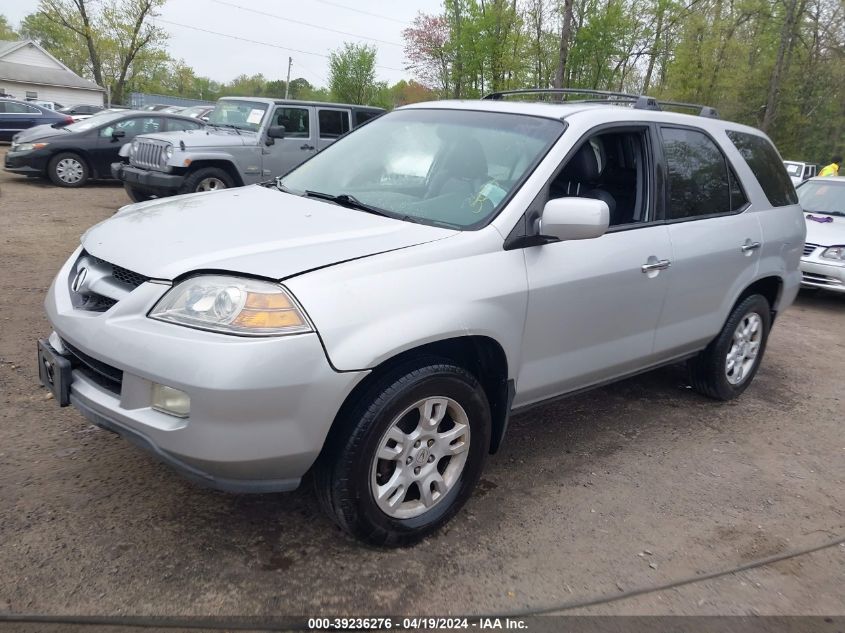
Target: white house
(28, 72)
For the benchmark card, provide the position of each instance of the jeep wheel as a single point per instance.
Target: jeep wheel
(207, 179)
(68, 170)
(413, 450)
(728, 365)
(136, 195)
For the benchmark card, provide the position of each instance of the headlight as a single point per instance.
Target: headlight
(834, 252)
(232, 305)
(168, 152)
(133, 148)
(28, 147)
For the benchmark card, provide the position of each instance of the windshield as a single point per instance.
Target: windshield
(822, 197)
(243, 115)
(451, 167)
(793, 169)
(95, 121)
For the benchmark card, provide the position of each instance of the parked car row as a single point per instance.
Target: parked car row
(73, 154)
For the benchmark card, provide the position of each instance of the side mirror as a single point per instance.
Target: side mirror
(575, 218)
(118, 134)
(276, 131)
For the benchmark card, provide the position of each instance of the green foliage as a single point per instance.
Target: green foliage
(6, 30)
(775, 64)
(352, 74)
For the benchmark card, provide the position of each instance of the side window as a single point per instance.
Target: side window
(333, 123)
(295, 121)
(180, 125)
(20, 108)
(611, 166)
(362, 116)
(763, 159)
(134, 127)
(700, 181)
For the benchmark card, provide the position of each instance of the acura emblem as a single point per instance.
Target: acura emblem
(77, 282)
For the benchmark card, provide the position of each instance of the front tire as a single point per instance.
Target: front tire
(728, 365)
(207, 179)
(410, 455)
(68, 170)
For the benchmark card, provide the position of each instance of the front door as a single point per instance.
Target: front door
(108, 144)
(299, 142)
(593, 305)
(716, 242)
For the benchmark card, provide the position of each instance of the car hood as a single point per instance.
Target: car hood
(206, 137)
(253, 230)
(38, 133)
(825, 233)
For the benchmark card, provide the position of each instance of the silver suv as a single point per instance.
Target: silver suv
(246, 140)
(376, 315)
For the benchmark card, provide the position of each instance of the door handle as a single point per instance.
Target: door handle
(306, 146)
(750, 246)
(661, 264)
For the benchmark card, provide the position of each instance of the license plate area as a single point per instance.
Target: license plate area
(54, 370)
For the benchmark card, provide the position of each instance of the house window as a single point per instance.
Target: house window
(2, 92)
(31, 94)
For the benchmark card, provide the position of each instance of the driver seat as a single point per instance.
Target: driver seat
(463, 171)
(580, 178)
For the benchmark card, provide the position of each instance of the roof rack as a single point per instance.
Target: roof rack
(640, 102)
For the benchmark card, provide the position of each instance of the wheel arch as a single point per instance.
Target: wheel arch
(220, 163)
(481, 355)
(770, 287)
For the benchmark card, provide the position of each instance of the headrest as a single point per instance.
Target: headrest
(583, 166)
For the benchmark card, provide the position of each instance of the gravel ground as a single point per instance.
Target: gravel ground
(633, 485)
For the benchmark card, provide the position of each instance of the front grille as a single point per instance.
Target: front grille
(84, 298)
(820, 280)
(108, 377)
(147, 154)
(809, 248)
(128, 277)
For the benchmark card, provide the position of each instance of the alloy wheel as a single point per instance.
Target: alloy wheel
(420, 457)
(745, 346)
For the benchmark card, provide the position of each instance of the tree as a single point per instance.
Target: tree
(118, 36)
(352, 73)
(6, 30)
(428, 50)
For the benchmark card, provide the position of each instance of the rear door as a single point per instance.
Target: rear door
(716, 241)
(15, 117)
(298, 145)
(332, 123)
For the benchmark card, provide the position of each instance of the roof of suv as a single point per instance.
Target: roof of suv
(271, 101)
(601, 111)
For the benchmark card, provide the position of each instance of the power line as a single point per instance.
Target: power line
(308, 24)
(246, 39)
(374, 15)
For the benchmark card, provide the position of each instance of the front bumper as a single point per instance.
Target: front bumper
(260, 408)
(147, 180)
(26, 163)
(816, 274)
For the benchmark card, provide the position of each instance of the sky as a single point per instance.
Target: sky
(290, 26)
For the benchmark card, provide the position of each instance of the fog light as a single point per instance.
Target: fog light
(171, 401)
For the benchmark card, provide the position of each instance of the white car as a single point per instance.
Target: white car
(823, 261)
(799, 172)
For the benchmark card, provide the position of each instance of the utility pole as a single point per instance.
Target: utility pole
(287, 83)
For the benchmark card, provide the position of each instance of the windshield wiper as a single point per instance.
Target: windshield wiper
(345, 200)
(227, 125)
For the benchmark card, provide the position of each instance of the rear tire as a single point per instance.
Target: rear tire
(725, 368)
(373, 475)
(68, 169)
(136, 195)
(207, 179)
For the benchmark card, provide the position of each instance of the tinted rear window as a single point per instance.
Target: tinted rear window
(767, 167)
